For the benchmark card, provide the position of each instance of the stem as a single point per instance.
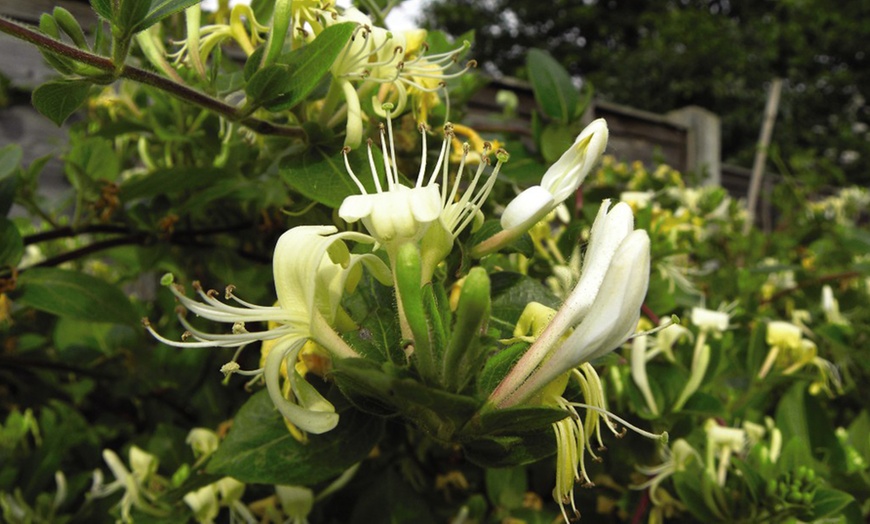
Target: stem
(142, 76)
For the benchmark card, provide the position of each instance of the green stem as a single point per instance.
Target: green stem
(142, 76)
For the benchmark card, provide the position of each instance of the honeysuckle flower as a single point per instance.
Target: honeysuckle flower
(576, 434)
(722, 442)
(203, 441)
(312, 268)
(708, 321)
(604, 307)
(831, 307)
(398, 214)
(676, 457)
(201, 41)
(207, 501)
(136, 494)
(560, 181)
(392, 63)
(638, 371)
(791, 351)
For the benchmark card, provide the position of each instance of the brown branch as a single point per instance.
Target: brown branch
(143, 76)
(811, 282)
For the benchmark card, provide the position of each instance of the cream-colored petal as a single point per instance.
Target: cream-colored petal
(527, 208)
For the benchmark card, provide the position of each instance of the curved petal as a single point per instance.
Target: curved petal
(322, 417)
(527, 208)
(355, 207)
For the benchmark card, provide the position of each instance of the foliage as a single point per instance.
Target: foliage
(389, 374)
(663, 55)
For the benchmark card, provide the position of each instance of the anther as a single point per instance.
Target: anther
(211, 293)
(186, 335)
(345, 150)
(471, 63)
(228, 292)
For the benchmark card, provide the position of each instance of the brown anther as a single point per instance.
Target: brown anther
(398, 50)
(465, 148)
(400, 66)
(146, 322)
(621, 433)
(448, 129)
(196, 285)
(487, 147)
(186, 335)
(345, 150)
(181, 311)
(228, 292)
(369, 142)
(442, 84)
(211, 293)
(425, 47)
(381, 127)
(471, 63)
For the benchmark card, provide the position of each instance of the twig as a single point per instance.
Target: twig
(143, 76)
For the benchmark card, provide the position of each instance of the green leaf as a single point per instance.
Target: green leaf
(555, 140)
(10, 158)
(324, 178)
(497, 366)
(511, 292)
(58, 99)
(510, 451)
(171, 181)
(11, 244)
(390, 500)
(260, 449)
(94, 158)
(268, 83)
(73, 294)
(131, 14)
(505, 487)
(161, 9)
(518, 420)
(829, 502)
(103, 8)
(309, 65)
(554, 90)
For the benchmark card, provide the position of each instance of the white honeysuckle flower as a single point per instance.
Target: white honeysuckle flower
(204, 504)
(207, 501)
(639, 374)
(397, 214)
(604, 307)
(784, 334)
(312, 268)
(389, 66)
(144, 465)
(725, 441)
(710, 320)
(578, 435)
(203, 441)
(296, 502)
(831, 307)
(560, 181)
(676, 458)
(639, 199)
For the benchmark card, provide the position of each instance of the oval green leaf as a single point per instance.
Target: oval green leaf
(260, 449)
(554, 90)
(73, 294)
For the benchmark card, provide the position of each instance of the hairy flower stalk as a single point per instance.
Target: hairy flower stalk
(312, 268)
(604, 307)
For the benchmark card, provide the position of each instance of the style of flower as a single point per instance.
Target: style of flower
(604, 307)
(560, 181)
(312, 268)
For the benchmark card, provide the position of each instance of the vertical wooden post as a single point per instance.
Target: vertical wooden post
(761, 152)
